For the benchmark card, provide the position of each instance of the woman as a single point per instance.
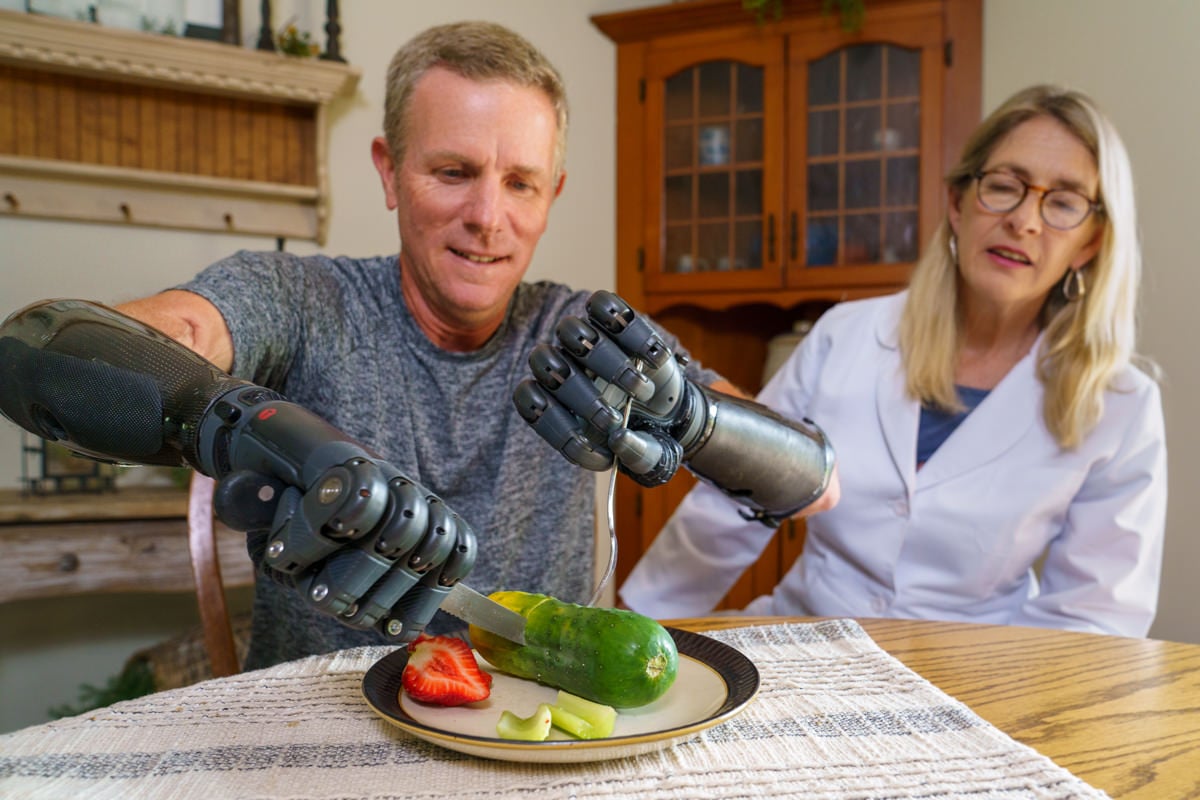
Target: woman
(1001, 457)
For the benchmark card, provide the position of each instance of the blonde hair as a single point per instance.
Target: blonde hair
(481, 51)
(1086, 342)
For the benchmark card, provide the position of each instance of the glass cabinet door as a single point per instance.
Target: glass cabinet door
(864, 159)
(715, 160)
(712, 181)
(862, 165)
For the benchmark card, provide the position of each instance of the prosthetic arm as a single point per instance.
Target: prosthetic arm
(772, 465)
(362, 542)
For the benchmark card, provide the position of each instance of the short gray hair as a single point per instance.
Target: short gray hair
(481, 51)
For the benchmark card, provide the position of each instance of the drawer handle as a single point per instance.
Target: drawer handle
(68, 562)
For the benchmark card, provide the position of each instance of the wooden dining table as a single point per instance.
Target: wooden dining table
(1123, 714)
(844, 709)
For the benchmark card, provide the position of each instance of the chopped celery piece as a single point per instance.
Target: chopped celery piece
(600, 718)
(573, 724)
(531, 729)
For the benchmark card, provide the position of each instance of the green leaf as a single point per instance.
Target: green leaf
(850, 13)
(136, 680)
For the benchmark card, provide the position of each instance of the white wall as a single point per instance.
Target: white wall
(1137, 59)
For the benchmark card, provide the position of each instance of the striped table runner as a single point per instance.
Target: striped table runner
(836, 717)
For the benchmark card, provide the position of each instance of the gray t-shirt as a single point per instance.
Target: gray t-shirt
(334, 335)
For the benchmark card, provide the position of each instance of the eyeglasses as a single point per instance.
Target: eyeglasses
(1062, 209)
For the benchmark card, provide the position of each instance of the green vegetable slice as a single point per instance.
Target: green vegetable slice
(571, 723)
(528, 729)
(600, 719)
(570, 713)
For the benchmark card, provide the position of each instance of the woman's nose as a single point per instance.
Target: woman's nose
(1027, 216)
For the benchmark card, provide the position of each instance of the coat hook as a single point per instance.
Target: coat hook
(13, 203)
(229, 220)
(125, 212)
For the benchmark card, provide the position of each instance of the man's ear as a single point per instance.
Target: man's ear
(381, 154)
(561, 180)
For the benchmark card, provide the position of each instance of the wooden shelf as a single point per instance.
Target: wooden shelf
(130, 540)
(107, 125)
(134, 503)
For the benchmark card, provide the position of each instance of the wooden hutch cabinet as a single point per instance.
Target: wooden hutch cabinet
(769, 169)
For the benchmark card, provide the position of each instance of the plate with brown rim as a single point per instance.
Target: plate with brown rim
(714, 683)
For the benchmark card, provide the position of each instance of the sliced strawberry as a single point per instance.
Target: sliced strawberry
(443, 670)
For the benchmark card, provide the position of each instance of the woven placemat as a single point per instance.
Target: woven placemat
(836, 717)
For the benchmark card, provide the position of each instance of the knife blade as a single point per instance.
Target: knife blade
(469, 605)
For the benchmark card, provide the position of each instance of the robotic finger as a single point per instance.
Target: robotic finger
(562, 379)
(580, 443)
(635, 335)
(412, 612)
(344, 579)
(402, 603)
(602, 357)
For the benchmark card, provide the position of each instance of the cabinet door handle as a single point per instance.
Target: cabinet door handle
(794, 237)
(770, 237)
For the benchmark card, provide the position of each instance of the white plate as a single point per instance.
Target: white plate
(714, 683)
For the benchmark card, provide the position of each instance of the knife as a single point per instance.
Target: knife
(470, 606)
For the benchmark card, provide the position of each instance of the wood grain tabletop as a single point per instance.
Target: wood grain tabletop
(1123, 714)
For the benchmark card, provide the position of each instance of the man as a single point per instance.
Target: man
(417, 355)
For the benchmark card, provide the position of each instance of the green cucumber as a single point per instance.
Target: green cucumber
(610, 656)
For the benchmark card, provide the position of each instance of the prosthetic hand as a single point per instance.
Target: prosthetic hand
(770, 464)
(362, 542)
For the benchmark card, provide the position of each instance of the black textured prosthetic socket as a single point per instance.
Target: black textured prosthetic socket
(327, 516)
(136, 397)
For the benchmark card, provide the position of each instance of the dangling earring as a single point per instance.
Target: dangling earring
(1073, 288)
(954, 249)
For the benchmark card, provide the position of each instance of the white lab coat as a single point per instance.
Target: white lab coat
(958, 539)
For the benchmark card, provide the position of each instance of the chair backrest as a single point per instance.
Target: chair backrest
(206, 569)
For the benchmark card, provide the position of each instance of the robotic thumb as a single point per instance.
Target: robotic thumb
(650, 457)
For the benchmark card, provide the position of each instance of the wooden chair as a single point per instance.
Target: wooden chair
(206, 569)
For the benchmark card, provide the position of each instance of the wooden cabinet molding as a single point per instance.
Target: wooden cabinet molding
(107, 125)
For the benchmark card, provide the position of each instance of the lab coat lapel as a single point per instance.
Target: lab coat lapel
(898, 413)
(993, 428)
